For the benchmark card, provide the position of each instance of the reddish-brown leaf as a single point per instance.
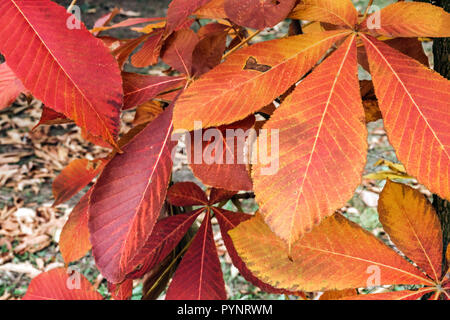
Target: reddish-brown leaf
(81, 81)
(74, 240)
(147, 112)
(414, 101)
(258, 14)
(73, 178)
(50, 116)
(341, 13)
(60, 284)
(165, 237)
(178, 49)
(128, 196)
(149, 53)
(327, 258)
(199, 276)
(218, 195)
(230, 92)
(186, 194)
(412, 224)
(322, 140)
(10, 86)
(221, 163)
(139, 88)
(214, 9)
(180, 10)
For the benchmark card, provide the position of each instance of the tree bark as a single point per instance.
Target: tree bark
(441, 55)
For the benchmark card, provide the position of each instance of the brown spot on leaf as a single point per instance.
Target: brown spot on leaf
(252, 64)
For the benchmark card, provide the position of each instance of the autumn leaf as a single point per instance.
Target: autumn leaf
(199, 276)
(149, 53)
(180, 10)
(410, 19)
(10, 86)
(178, 49)
(74, 239)
(341, 13)
(127, 199)
(61, 284)
(122, 291)
(186, 194)
(230, 92)
(258, 14)
(85, 80)
(320, 124)
(406, 87)
(73, 178)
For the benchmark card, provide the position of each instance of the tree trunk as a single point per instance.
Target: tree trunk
(441, 54)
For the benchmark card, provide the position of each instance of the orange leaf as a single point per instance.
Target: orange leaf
(232, 91)
(149, 53)
(338, 294)
(128, 196)
(199, 276)
(338, 254)
(214, 9)
(412, 224)
(74, 240)
(258, 14)
(59, 284)
(320, 125)
(414, 101)
(73, 178)
(82, 82)
(411, 19)
(10, 86)
(341, 13)
(147, 112)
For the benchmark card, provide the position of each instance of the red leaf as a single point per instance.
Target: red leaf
(74, 240)
(140, 88)
(10, 86)
(186, 194)
(258, 14)
(165, 237)
(229, 220)
(74, 178)
(177, 51)
(58, 284)
(122, 291)
(232, 173)
(128, 196)
(199, 276)
(218, 195)
(50, 116)
(81, 81)
(180, 10)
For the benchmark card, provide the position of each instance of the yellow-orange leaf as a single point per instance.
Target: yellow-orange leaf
(74, 240)
(336, 255)
(341, 12)
(322, 139)
(414, 102)
(412, 224)
(394, 295)
(410, 19)
(250, 79)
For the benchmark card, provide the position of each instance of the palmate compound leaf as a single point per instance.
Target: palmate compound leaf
(238, 87)
(322, 148)
(409, 19)
(338, 254)
(414, 102)
(128, 196)
(258, 14)
(61, 284)
(10, 86)
(68, 69)
(341, 12)
(74, 240)
(199, 276)
(413, 226)
(73, 178)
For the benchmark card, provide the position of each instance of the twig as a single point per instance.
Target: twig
(69, 9)
(246, 40)
(367, 10)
